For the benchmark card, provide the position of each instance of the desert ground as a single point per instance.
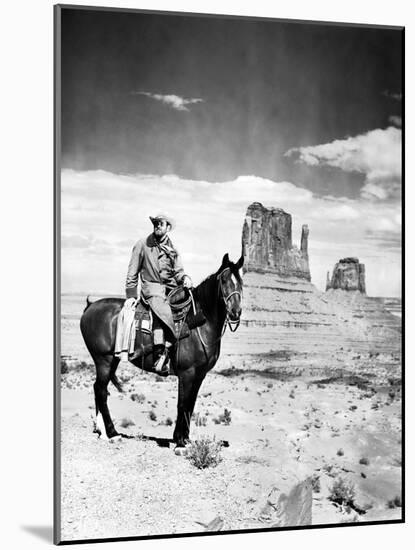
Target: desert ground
(332, 416)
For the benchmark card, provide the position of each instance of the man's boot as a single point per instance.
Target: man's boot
(161, 360)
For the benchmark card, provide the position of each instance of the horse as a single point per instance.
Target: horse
(218, 298)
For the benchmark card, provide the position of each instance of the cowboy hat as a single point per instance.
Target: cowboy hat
(168, 219)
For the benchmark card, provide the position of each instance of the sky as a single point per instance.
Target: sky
(201, 116)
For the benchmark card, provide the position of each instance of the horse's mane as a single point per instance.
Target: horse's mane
(206, 293)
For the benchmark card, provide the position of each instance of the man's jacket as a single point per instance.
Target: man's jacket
(160, 269)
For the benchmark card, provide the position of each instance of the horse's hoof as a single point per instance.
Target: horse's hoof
(180, 451)
(115, 439)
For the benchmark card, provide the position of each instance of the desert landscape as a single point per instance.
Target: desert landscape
(304, 407)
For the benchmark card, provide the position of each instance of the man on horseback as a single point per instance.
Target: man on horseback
(159, 265)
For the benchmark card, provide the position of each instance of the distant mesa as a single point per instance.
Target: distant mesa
(291, 322)
(348, 274)
(267, 243)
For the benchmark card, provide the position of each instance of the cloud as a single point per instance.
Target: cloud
(397, 96)
(385, 239)
(75, 241)
(176, 102)
(92, 244)
(396, 120)
(377, 154)
(335, 212)
(104, 214)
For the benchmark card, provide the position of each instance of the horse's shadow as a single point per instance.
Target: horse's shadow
(162, 441)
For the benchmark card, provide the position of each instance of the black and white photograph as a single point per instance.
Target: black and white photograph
(228, 231)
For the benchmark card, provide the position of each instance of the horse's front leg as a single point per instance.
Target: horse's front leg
(189, 383)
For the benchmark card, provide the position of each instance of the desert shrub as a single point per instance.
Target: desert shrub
(199, 419)
(224, 418)
(340, 452)
(138, 397)
(168, 421)
(152, 415)
(204, 452)
(342, 492)
(125, 376)
(126, 423)
(364, 461)
(395, 502)
(292, 394)
(315, 483)
(64, 366)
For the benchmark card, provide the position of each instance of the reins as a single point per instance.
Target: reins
(233, 325)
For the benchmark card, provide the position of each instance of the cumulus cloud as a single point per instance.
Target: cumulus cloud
(396, 120)
(174, 101)
(385, 239)
(377, 154)
(397, 96)
(75, 241)
(103, 214)
(92, 244)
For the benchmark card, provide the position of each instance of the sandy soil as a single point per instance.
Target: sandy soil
(282, 429)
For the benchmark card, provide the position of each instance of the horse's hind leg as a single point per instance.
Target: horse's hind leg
(106, 367)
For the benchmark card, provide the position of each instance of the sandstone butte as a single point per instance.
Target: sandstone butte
(283, 312)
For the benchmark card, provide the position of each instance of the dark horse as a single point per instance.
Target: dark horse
(218, 297)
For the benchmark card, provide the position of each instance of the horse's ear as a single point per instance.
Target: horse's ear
(225, 260)
(240, 262)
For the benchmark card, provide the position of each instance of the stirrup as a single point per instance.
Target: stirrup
(162, 365)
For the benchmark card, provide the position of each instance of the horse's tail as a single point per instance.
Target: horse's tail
(88, 303)
(116, 382)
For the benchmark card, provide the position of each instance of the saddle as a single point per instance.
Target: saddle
(184, 319)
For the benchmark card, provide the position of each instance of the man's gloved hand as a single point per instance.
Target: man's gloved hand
(187, 282)
(130, 303)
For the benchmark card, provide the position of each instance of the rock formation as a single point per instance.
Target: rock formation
(288, 510)
(267, 243)
(348, 274)
(285, 316)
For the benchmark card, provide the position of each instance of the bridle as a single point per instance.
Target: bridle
(233, 325)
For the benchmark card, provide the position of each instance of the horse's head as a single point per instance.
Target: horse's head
(230, 287)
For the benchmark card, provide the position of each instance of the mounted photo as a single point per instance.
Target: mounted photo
(228, 284)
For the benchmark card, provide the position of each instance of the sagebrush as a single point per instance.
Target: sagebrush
(204, 452)
(342, 492)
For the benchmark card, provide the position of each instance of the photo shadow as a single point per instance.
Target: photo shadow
(166, 441)
(43, 532)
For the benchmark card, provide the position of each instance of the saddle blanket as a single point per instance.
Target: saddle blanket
(135, 325)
